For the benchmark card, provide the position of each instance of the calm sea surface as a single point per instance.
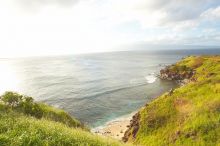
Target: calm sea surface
(94, 88)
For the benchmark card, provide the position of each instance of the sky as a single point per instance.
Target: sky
(54, 27)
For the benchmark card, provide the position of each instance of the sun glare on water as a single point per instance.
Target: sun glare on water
(8, 78)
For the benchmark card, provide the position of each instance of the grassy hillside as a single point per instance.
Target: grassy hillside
(26, 123)
(11, 101)
(188, 115)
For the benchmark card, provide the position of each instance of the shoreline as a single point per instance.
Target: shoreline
(115, 128)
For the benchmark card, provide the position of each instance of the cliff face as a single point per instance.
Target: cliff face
(133, 128)
(188, 115)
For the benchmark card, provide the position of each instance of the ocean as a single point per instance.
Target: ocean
(94, 88)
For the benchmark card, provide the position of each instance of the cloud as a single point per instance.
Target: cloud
(38, 3)
(181, 10)
(165, 13)
(81, 26)
(211, 14)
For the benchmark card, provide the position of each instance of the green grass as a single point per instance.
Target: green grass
(19, 130)
(191, 114)
(58, 115)
(24, 122)
(26, 105)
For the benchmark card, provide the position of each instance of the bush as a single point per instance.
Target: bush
(28, 107)
(22, 104)
(12, 99)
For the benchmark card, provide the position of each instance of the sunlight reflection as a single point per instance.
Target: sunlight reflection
(8, 78)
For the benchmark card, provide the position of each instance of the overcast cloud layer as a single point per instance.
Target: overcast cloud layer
(50, 27)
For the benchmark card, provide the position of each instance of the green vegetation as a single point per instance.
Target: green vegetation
(26, 123)
(190, 115)
(26, 105)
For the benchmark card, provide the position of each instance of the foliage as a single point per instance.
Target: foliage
(12, 99)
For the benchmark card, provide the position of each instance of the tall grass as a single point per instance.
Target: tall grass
(24, 122)
(19, 130)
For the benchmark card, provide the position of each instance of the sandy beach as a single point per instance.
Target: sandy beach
(115, 128)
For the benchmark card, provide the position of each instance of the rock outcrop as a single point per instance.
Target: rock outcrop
(132, 128)
(180, 74)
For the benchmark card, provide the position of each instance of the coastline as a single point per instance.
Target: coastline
(198, 88)
(115, 128)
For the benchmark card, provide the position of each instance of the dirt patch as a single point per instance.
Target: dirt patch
(183, 105)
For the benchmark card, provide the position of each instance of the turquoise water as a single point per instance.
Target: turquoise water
(95, 88)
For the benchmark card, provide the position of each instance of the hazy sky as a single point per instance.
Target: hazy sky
(51, 27)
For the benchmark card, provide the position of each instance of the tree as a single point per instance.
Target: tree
(12, 99)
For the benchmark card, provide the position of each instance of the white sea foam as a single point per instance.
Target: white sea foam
(151, 78)
(115, 120)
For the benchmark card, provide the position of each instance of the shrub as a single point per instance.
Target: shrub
(28, 107)
(12, 99)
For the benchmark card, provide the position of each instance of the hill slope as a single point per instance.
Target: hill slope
(188, 115)
(26, 123)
